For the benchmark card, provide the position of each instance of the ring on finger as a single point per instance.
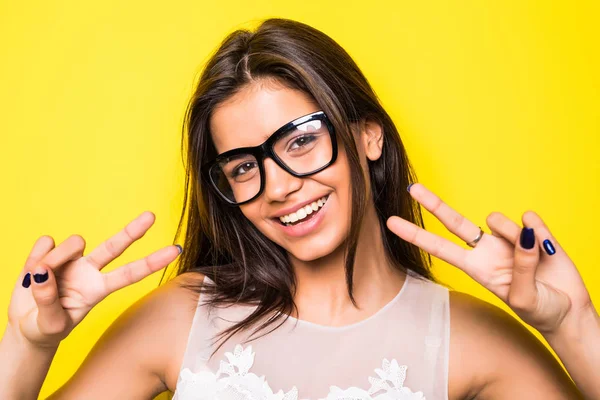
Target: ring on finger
(477, 239)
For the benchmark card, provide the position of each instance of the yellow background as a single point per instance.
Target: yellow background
(497, 102)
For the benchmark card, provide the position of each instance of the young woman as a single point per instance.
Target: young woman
(303, 275)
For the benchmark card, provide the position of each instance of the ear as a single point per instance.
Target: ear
(372, 138)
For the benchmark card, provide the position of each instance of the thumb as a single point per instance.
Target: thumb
(52, 319)
(523, 295)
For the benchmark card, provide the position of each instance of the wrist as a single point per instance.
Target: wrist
(577, 344)
(576, 327)
(23, 366)
(14, 338)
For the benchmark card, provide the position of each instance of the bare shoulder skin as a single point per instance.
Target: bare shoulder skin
(493, 356)
(140, 354)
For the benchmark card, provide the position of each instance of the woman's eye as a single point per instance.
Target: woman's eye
(301, 141)
(243, 168)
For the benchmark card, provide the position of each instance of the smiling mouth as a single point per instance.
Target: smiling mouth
(303, 214)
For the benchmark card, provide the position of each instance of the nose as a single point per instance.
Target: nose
(278, 182)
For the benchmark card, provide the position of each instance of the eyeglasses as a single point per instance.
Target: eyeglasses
(301, 147)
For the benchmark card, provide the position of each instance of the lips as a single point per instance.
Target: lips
(305, 226)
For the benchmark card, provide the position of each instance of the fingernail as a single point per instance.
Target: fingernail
(180, 248)
(26, 280)
(40, 277)
(549, 247)
(408, 187)
(527, 238)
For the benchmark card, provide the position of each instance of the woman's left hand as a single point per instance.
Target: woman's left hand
(544, 290)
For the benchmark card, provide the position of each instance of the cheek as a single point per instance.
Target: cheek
(252, 212)
(339, 177)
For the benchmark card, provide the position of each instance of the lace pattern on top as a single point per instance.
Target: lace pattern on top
(234, 381)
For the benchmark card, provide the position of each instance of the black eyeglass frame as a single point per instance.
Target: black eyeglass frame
(265, 150)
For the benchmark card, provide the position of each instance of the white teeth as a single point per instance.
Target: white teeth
(301, 213)
(304, 211)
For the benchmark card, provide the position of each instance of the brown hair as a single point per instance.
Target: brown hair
(219, 242)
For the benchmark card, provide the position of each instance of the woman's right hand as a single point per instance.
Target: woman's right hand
(45, 313)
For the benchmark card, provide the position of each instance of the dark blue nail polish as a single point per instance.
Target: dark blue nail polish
(180, 248)
(549, 247)
(408, 187)
(527, 238)
(40, 278)
(26, 280)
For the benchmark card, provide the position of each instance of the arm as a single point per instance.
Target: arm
(23, 368)
(578, 346)
(500, 357)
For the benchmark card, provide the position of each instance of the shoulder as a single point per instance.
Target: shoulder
(492, 355)
(172, 307)
(161, 321)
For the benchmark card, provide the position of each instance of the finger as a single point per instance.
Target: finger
(522, 295)
(431, 243)
(52, 318)
(71, 249)
(139, 269)
(504, 227)
(113, 247)
(452, 220)
(41, 247)
(547, 242)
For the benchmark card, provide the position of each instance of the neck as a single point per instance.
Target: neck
(322, 294)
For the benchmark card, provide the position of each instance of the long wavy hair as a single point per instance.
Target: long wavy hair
(245, 266)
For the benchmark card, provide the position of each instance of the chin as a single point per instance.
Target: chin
(319, 246)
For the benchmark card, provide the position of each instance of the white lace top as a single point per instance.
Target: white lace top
(400, 352)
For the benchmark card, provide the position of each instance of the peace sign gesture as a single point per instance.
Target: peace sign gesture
(526, 268)
(59, 285)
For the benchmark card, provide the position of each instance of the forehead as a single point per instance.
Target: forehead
(250, 116)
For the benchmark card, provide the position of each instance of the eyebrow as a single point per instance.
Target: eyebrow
(234, 157)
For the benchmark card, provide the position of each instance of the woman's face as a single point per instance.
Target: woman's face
(248, 119)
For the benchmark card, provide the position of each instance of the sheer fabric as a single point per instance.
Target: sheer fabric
(400, 352)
